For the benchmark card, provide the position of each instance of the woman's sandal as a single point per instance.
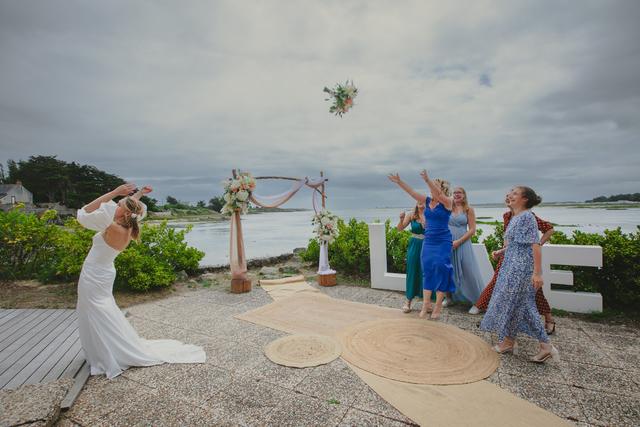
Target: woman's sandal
(425, 309)
(406, 308)
(543, 356)
(551, 330)
(435, 315)
(513, 349)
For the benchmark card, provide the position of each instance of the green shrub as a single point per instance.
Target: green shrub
(619, 278)
(34, 247)
(139, 272)
(494, 241)
(27, 242)
(167, 244)
(72, 245)
(349, 253)
(397, 243)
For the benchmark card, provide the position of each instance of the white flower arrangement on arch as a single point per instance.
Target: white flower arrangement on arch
(325, 226)
(237, 192)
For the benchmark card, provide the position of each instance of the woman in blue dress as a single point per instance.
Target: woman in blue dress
(414, 250)
(466, 273)
(437, 270)
(513, 308)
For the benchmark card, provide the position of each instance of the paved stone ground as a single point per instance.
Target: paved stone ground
(597, 382)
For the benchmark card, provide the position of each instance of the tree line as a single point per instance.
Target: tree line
(632, 197)
(71, 184)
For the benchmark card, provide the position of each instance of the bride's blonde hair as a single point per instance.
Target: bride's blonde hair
(133, 212)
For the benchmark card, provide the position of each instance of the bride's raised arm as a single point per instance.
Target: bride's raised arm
(122, 190)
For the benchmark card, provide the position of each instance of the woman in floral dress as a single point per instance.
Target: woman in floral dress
(512, 308)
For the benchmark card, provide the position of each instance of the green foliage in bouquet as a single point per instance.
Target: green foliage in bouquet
(342, 97)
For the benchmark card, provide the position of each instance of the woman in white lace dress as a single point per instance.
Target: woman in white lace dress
(110, 343)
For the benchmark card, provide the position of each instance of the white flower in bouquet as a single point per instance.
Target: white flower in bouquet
(325, 220)
(242, 195)
(235, 185)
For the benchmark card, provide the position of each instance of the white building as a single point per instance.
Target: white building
(10, 194)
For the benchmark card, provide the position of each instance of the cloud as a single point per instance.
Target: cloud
(487, 94)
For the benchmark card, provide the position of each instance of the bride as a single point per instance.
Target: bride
(110, 343)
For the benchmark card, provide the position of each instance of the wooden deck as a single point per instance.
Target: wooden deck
(39, 346)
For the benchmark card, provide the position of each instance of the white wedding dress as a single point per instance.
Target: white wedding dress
(110, 343)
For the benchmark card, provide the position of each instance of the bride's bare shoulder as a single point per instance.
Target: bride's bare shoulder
(117, 236)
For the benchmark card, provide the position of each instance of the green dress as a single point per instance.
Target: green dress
(414, 263)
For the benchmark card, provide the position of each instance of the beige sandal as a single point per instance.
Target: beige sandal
(543, 356)
(406, 308)
(426, 308)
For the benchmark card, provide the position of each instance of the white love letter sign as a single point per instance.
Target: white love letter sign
(571, 255)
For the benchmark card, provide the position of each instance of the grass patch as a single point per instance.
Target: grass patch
(349, 280)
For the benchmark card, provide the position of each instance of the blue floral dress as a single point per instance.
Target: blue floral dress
(513, 308)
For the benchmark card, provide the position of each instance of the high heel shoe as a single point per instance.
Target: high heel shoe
(513, 349)
(543, 356)
(425, 309)
(550, 330)
(406, 308)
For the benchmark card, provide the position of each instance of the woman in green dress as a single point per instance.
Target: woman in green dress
(414, 249)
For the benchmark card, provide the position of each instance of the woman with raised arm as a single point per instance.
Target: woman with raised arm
(414, 251)
(462, 223)
(437, 270)
(110, 343)
(512, 309)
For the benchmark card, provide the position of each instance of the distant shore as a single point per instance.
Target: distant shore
(207, 215)
(577, 205)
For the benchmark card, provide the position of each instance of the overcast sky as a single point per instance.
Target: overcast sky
(487, 94)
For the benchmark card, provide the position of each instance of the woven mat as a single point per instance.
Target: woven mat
(316, 314)
(418, 351)
(286, 287)
(480, 403)
(303, 351)
(475, 404)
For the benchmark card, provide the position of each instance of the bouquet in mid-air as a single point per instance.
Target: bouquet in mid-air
(342, 96)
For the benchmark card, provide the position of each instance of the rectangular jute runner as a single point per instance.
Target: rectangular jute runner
(480, 403)
(286, 287)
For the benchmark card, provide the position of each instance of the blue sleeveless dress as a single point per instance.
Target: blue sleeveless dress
(436, 250)
(466, 272)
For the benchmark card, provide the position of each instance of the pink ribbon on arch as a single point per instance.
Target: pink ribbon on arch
(237, 258)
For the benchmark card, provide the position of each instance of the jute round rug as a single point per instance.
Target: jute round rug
(303, 351)
(418, 351)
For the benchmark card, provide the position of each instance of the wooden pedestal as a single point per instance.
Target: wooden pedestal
(327, 279)
(239, 286)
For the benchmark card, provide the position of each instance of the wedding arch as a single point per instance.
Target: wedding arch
(240, 189)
